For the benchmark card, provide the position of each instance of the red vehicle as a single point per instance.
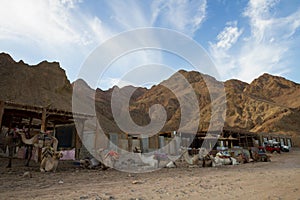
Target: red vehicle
(271, 147)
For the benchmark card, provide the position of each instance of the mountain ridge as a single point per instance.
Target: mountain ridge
(267, 104)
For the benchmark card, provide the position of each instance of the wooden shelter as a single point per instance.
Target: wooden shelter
(230, 137)
(38, 117)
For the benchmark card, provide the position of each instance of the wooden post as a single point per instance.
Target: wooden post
(78, 136)
(54, 130)
(44, 120)
(29, 125)
(239, 136)
(261, 140)
(129, 143)
(156, 140)
(1, 113)
(43, 129)
(246, 137)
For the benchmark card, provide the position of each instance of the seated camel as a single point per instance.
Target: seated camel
(204, 158)
(149, 160)
(191, 160)
(222, 159)
(50, 159)
(108, 158)
(154, 160)
(167, 158)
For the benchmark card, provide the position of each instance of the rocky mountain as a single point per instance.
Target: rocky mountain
(268, 104)
(44, 84)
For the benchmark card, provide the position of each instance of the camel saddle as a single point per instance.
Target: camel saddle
(47, 152)
(223, 155)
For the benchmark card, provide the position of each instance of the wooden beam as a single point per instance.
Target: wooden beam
(1, 113)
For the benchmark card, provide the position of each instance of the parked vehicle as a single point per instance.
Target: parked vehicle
(284, 148)
(272, 147)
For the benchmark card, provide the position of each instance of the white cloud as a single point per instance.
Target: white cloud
(61, 30)
(46, 21)
(56, 30)
(220, 50)
(182, 15)
(263, 50)
(228, 36)
(129, 14)
(51, 24)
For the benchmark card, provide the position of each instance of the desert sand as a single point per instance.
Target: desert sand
(278, 179)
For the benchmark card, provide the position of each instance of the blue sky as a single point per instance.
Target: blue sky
(243, 38)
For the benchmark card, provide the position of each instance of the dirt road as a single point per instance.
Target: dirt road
(279, 179)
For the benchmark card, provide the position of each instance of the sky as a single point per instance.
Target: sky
(244, 39)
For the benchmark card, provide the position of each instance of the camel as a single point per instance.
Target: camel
(50, 159)
(149, 160)
(165, 157)
(191, 160)
(171, 164)
(10, 145)
(29, 147)
(204, 157)
(39, 140)
(89, 163)
(154, 159)
(240, 159)
(10, 142)
(220, 159)
(108, 159)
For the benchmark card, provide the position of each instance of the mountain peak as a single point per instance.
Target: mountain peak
(273, 89)
(266, 78)
(6, 59)
(273, 82)
(235, 85)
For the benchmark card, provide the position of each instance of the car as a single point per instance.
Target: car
(284, 148)
(272, 147)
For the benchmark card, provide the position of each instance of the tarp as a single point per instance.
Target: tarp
(68, 154)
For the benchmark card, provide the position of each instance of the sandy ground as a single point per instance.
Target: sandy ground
(279, 179)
